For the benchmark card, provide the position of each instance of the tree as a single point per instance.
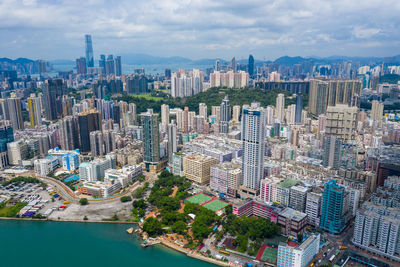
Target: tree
(228, 210)
(200, 230)
(141, 178)
(85, 218)
(179, 227)
(139, 204)
(83, 201)
(125, 198)
(153, 227)
(300, 238)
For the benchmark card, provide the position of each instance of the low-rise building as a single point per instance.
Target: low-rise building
(125, 176)
(292, 222)
(45, 166)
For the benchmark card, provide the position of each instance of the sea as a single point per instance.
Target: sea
(65, 244)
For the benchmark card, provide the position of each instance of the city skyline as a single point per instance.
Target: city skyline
(178, 29)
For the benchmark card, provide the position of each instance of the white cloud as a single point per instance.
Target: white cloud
(364, 33)
(198, 28)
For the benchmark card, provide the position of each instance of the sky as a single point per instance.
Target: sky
(55, 29)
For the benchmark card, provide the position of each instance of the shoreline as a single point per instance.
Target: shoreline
(77, 221)
(191, 255)
(163, 242)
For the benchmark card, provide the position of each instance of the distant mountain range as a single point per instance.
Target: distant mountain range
(145, 59)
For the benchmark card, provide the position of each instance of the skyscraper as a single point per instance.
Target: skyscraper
(35, 111)
(233, 64)
(225, 116)
(81, 66)
(186, 120)
(332, 151)
(89, 51)
(89, 121)
(280, 107)
(172, 143)
(334, 208)
(14, 108)
(6, 136)
(203, 110)
(52, 94)
(341, 121)
(250, 66)
(151, 138)
(318, 97)
(377, 112)
(118, 66)
(253, 134)
(299, 109)
(97, 144)
(110, 66)
(164, 115)
(102, 63)
(69, 134)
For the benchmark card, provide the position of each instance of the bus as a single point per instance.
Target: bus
(332, 258)
(224, 252)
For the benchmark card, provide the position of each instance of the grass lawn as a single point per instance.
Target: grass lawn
(198, 199)
(148, 97)
(11, 211)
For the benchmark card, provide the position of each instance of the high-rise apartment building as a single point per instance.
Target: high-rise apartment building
(81, 68)
(299, 109)
(52, 97)
(332, 152)
(164, 115)
(69, 133)
(377, 112)
(89, 51)
(203, 110)
(35, 110)
(15, 113)
(253, 135)
(332, 92)
(151, 138)
(225, 116)
(172, 140)
(377, 229)
(334, 208)
(301, 256)
(318, 96)
(313, 208)
(341, 121)
(225, 178)
(236, 114)
(6, 136)
(110, 65)
(118, 66)
(197, 168)
(268, 188)
(89, 121)
(102, 63)
(280, 108)
(298, 197)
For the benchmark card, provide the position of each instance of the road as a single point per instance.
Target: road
(69, 195)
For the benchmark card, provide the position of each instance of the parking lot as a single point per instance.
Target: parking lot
(39, 201)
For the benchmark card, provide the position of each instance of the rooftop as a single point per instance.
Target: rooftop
(288, 183)
(293, 214)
